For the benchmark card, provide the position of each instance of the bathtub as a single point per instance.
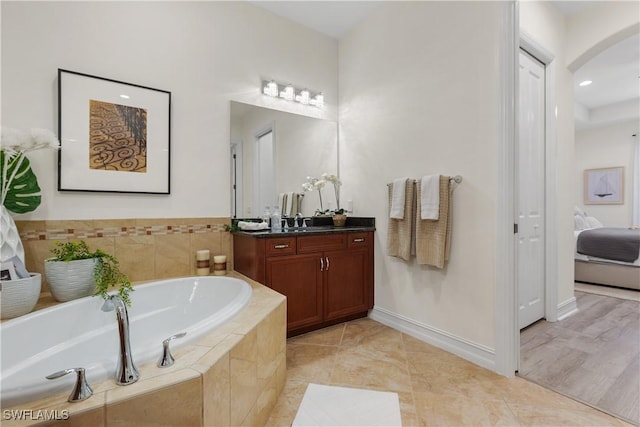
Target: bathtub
(79, 334)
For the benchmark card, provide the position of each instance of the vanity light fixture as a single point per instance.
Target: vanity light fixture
(270, 88)
(317, 100)
(303, 97)
(289, 93)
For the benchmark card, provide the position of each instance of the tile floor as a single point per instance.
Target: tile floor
(436, 388)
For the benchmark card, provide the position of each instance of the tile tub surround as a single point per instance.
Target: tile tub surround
(232, 376)
(147, 249)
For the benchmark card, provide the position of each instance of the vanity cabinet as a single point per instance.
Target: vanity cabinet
(327, 277)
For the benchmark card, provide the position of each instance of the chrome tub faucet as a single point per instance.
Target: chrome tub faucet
(126, 372)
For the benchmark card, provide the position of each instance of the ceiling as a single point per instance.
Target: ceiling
(333, 18)
(614, 72)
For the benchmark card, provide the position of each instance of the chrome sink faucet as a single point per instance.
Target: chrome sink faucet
(296, 224)
(126, 372)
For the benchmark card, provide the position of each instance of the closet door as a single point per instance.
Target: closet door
(531, 191)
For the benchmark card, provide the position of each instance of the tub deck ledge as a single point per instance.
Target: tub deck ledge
(230, 376)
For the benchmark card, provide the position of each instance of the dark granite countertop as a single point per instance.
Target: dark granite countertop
(318, 225)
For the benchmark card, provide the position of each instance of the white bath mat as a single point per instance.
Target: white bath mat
(324, 405)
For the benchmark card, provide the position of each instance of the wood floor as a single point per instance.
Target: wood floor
(592, 356)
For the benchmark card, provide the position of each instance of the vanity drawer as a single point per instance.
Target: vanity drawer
(281, 246)
(359, 240)
(324, 242)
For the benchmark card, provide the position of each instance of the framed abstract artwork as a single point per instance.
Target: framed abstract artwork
(604, 186)
(114, 136)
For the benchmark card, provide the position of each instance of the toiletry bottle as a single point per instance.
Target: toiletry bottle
(276, 224)
(266, 216)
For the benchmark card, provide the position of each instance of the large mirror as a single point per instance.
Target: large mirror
(272, 154)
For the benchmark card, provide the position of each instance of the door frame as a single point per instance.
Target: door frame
(237, 183)
(507, 333)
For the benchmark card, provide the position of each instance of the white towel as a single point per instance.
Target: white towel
(397, 198)
(281, 202)
(430, 197)
(289, 204)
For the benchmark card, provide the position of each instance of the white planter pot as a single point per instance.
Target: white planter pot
(18, 297)
(70, 280)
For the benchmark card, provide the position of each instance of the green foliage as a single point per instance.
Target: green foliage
(106, 272)
(233, 227)
(22, 193)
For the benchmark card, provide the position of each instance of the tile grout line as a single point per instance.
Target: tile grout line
(335, 355)
(406, 361)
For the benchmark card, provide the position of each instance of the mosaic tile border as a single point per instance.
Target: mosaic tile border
(87, 233)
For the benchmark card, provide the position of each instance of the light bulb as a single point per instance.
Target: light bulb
(271, 89)
(318, 100)
(303, 98)
(287, 93)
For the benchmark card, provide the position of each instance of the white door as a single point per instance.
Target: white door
(531, 191)
(264, 173)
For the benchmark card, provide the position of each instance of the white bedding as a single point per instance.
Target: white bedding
(581, 257)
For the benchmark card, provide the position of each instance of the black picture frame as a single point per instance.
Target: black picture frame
(114, 136)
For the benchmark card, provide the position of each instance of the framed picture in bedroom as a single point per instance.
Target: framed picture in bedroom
(114, 136)
(604, 186)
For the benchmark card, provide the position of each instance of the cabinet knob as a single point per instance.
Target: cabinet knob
(358, 240)
(283, 246)
(321, 264)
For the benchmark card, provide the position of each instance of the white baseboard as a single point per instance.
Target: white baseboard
(473, 352)
(567, 308)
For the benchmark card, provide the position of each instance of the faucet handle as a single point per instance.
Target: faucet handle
(167, 358)
(81, 390)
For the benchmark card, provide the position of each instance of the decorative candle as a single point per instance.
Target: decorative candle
(219, 265)
(202, 262)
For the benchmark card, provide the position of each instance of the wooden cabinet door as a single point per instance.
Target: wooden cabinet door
(347, 282)
(299, 278)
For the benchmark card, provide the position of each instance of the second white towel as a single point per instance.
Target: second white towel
(430, 197)
(397, 198)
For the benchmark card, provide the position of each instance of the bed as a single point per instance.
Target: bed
(606, 255)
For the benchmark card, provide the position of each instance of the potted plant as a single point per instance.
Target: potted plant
(339, 217)
(19, 194)
(75, 271)
(314, 183)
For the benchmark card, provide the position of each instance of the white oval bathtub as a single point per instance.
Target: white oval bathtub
(78, 334)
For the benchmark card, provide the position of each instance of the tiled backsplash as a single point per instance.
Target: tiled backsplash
(146, 248)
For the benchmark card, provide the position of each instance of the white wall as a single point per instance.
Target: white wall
(603, 147)
(205, 53)
(598, 27)
(547, 26)
(419, 94)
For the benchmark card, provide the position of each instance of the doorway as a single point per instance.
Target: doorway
(264, 172)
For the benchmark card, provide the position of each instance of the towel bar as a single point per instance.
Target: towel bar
(457, 179)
